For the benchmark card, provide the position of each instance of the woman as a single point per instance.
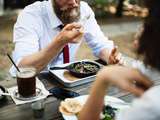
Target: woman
(146, 107)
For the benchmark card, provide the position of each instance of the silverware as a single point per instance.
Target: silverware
(5, 94)
(118, 103)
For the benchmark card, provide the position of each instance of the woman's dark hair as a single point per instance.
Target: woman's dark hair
(149, 41)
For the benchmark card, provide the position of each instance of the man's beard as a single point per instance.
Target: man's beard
(67, 15)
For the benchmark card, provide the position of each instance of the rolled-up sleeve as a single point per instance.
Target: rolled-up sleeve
(25, 37)
(94, 37)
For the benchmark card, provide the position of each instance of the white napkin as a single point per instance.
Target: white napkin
(39, 84)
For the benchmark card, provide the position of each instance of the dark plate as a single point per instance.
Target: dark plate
(72, 68)
(78, 74)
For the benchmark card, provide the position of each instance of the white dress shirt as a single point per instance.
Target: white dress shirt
(37, 25)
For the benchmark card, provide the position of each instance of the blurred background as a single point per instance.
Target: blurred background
(119, 20)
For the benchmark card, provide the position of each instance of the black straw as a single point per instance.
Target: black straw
(13, 62)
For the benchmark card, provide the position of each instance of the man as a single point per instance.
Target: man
(39, 38)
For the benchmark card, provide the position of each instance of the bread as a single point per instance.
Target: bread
(70, 106)
(64, 111)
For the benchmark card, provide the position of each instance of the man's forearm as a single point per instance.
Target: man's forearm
(104, 55)
(40, 59)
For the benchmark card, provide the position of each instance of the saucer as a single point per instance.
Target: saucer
(2, 97)
(19, 97)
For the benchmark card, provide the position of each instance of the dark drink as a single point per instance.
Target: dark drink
(26, 81)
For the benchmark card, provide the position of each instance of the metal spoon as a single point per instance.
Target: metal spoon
(6, 94)
(119, 103)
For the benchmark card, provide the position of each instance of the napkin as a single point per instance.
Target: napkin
(39, 84)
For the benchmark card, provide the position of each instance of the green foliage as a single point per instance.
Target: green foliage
(107, 117)
(101, 1)
(105, 2)
(100, 6)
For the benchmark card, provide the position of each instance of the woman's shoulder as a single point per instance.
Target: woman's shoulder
(152, 73)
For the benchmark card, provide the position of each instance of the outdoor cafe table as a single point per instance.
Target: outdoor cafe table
(9, 111)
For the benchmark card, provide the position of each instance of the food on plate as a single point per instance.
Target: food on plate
(86, 68)
(108, 113)
(70, 106)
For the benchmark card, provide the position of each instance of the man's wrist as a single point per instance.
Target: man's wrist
(104, 55)
(60, 42)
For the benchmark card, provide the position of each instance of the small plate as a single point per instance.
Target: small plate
(108, 100)
(2, 89)
(19, 97)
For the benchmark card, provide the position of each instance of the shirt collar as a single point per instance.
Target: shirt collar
(54, 20)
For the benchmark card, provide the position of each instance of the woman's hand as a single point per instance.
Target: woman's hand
(127, 79)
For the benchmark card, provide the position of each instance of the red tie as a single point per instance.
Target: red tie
(66, 54)
(65, 49)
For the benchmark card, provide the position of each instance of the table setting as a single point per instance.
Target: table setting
(41, 100)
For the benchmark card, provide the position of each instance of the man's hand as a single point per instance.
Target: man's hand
(71, 33)
(127, 79)
(114, 57)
